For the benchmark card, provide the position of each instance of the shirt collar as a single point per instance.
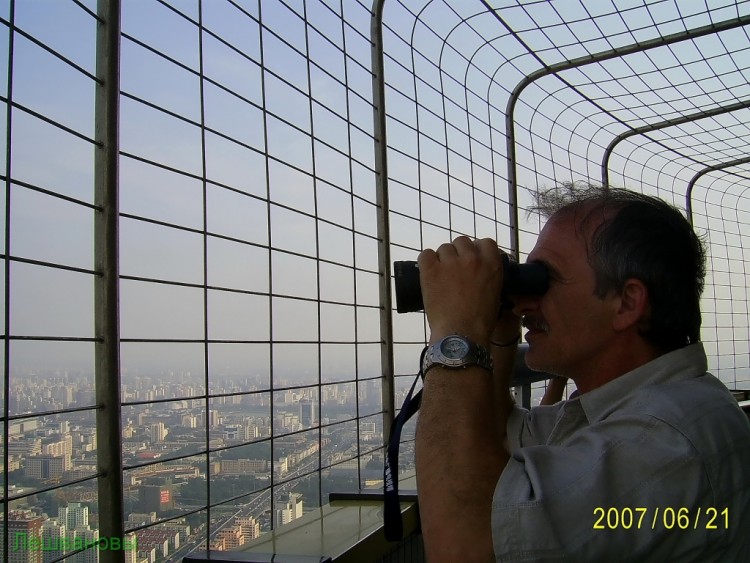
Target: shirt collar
(684, 363)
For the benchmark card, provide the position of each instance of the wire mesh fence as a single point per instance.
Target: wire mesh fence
(260, 202)
(489, 101)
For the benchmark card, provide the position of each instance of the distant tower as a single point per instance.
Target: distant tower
(307, 414)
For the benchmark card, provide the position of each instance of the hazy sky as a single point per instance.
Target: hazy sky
(288, 205)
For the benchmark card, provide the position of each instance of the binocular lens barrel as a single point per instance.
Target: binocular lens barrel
(520, 279)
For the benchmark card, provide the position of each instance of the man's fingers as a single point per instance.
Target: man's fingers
(447, 251)
(427, 256)
(463, 245)
(488, 248)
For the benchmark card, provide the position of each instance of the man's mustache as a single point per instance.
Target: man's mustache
(533, 322)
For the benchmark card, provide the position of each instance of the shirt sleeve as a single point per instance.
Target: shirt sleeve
(549, 497)
(531, 427)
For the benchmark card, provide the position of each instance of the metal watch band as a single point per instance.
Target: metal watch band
(475, 355)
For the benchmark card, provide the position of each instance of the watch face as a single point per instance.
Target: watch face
(454, 348)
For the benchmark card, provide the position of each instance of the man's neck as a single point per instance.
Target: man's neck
(621, 359)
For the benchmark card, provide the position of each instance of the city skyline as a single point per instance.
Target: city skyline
(169, 436)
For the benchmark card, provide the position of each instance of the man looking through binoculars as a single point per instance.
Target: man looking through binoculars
(649, 429)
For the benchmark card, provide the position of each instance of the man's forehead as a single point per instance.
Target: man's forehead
(580, 222)
(557, 234)
(560, 241)
(563, 223)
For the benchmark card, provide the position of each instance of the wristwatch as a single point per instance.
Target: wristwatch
(456, 352)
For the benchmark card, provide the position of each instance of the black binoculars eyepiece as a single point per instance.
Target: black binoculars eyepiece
(520, 279)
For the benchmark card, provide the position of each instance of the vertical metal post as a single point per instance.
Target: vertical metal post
(510, 140)
(6, 275)
(106, 291)
(383, 210)
(526, 395)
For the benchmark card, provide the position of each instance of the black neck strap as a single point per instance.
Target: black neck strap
(393, 525)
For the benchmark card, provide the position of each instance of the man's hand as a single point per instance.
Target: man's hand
(461, 426)
(461, 284)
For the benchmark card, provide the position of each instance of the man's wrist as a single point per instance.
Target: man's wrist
(456, 352)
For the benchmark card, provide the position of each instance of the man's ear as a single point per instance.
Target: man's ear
(633, 307)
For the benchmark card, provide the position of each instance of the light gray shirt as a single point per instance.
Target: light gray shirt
(653, 466)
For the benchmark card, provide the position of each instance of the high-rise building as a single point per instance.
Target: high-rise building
(130, 548)
(231, 537)
(251, 430)
(24, 537)
(73, 522)
(190, 421)
(289, 511)
(214, 420)
(307, 413)
(157, 498)
(87, 537)
(58, 444)
(74, 515)
(53, 538)
(158, 432)
(250, 527)
(45, 466)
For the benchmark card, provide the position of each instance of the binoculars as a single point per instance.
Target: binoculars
(519, 279)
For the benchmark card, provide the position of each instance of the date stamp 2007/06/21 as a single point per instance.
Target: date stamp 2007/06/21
(668, 518)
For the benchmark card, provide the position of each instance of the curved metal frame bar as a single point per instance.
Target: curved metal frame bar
(708, 170)
(596, 58)
(720, 110)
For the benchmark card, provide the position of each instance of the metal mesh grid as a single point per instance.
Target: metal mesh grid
(275, 165)
(48, 283)
(248, 283)
(488, 101)
(251, 226)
